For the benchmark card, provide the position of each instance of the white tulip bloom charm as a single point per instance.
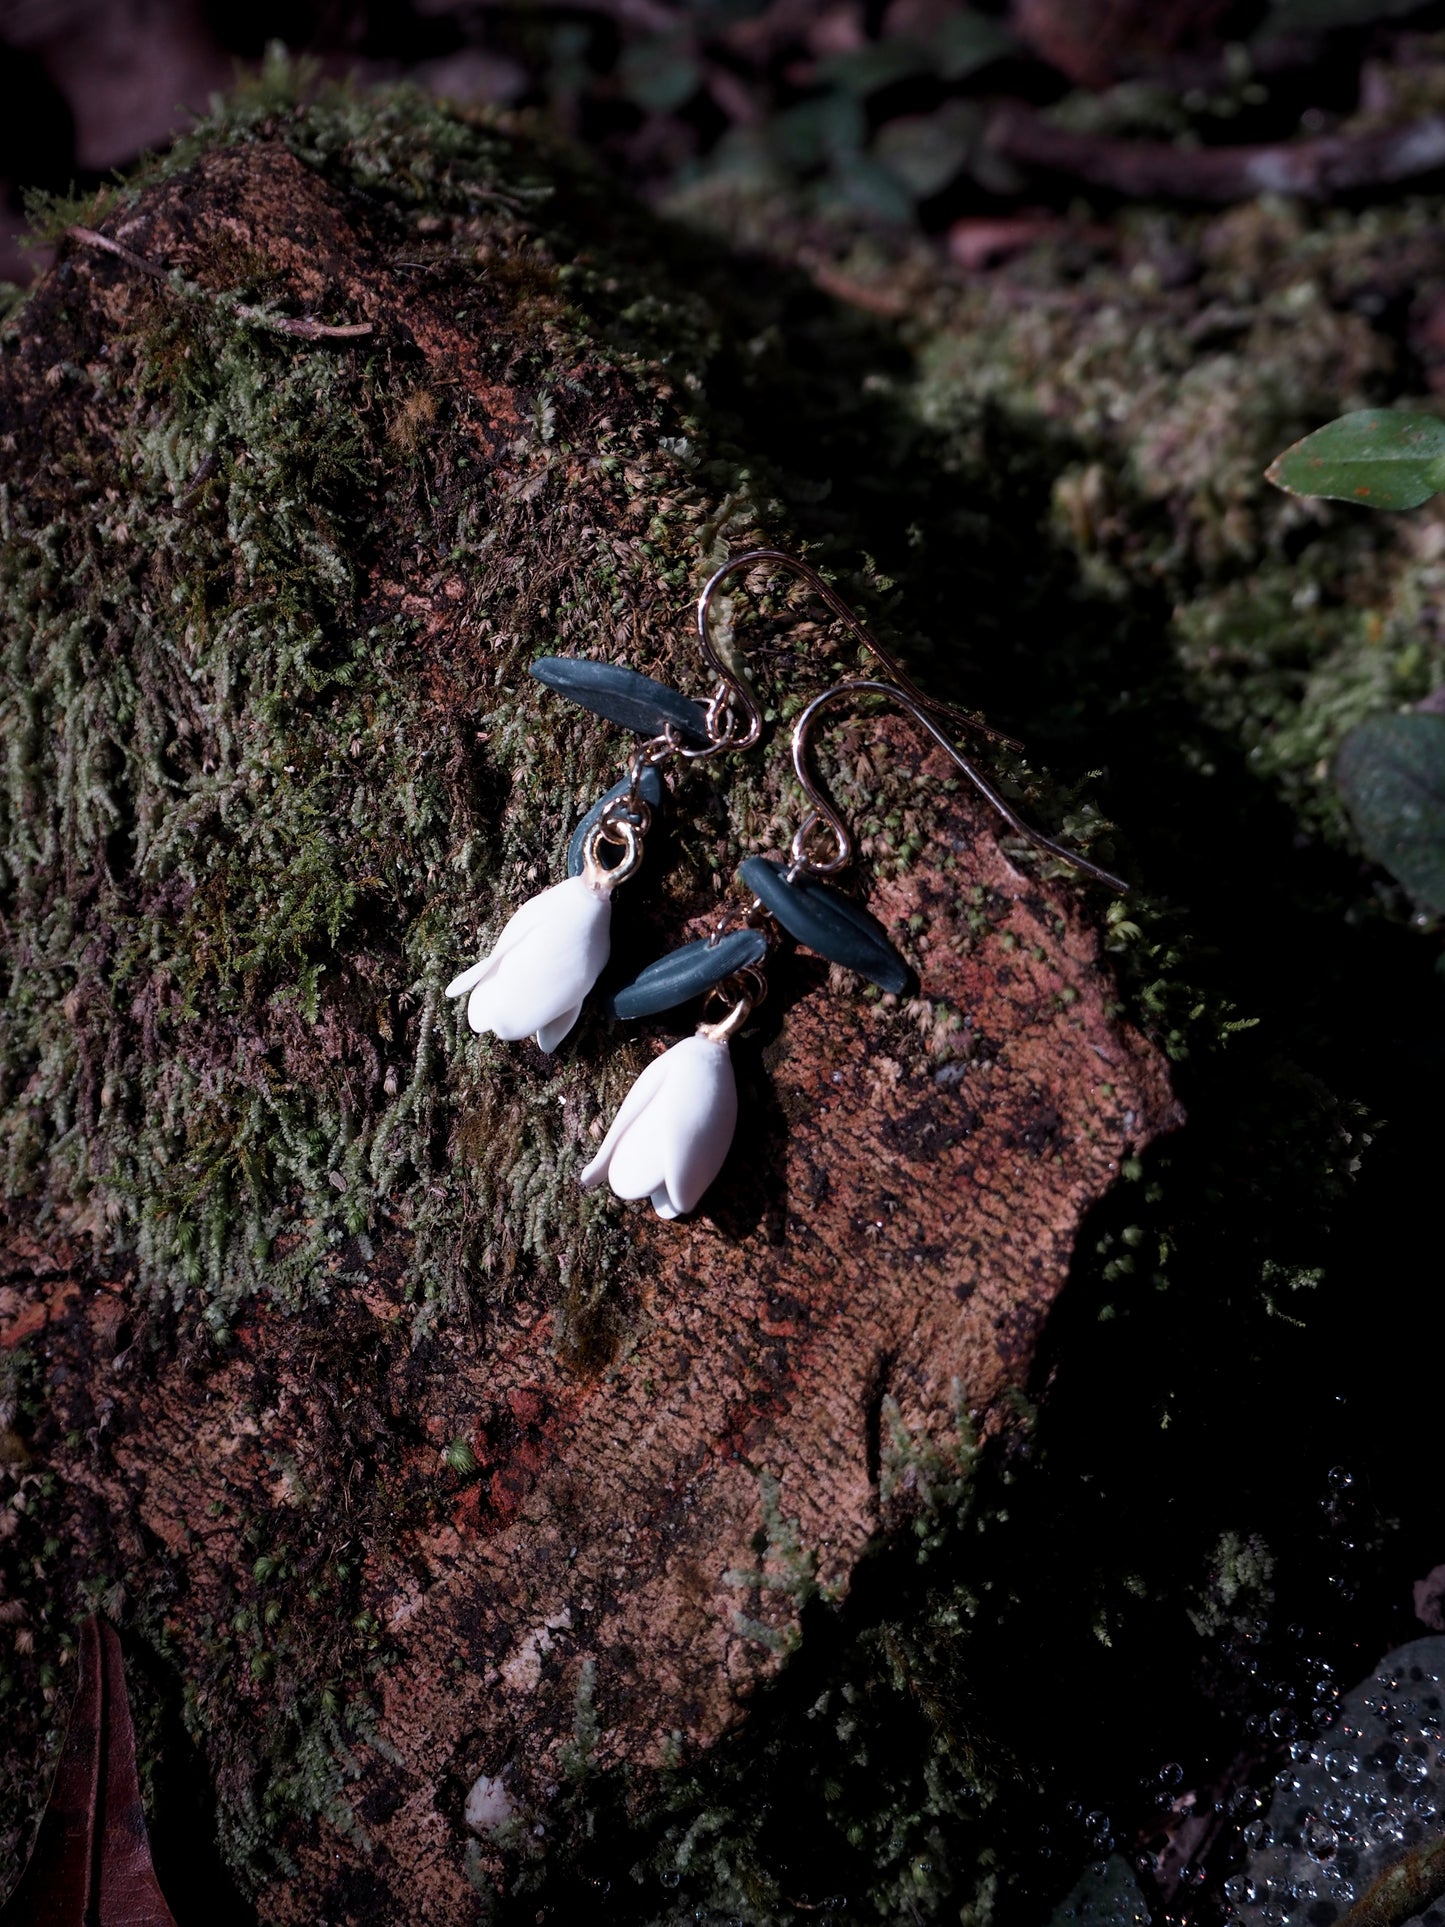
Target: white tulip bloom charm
(539, 971)
(675, 1128)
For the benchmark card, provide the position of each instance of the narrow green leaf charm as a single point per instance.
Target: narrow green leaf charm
(1382, 458)
(623, 696)
(686, 973)
(1391, 773)
(651, 788)
(828, 922)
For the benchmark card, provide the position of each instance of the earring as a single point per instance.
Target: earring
(537, 975)
(673, 1132)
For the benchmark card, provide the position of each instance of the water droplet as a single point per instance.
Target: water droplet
(1387, 1826)
(1320, 1840)
(1411, 1769)
(670, 1877)
(1281, 1722)
(1341, 1764)
(1239, 1890)
(1340, 1479)
(1338, 1811)
(1172, 1773)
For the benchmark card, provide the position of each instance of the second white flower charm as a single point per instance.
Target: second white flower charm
(674, 1129)
(544, 963)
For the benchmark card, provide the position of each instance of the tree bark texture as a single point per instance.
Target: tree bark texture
(412, 1463)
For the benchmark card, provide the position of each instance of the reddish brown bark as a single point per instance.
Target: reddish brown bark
(881, 1254)
(886, 1232)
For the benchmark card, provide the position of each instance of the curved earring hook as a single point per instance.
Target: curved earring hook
(733, 694)
(823, 813)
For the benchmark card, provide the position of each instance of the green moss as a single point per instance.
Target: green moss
(229, 1053)
(260, 802)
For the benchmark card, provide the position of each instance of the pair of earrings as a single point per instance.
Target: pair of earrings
(674, 1129)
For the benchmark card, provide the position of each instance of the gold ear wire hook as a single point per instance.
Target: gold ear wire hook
(733, 697)
(822, 811)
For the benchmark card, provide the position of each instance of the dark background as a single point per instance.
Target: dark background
(888, 116)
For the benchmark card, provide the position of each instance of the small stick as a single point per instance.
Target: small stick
(93, 240)
(302, 327)
(1312, 170)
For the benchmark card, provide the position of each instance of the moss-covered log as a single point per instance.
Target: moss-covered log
(412, 1462)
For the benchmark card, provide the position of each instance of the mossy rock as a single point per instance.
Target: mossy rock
(287, 1236)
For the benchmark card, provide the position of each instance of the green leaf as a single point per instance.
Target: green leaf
(827, 128)
(1391, 773)
(861, 184)
(881, 63)
(660, 74)
(1382, 458)
(927, 151)
(967, 41)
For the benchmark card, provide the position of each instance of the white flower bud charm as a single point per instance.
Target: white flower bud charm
(553, 950)
(675, 1128)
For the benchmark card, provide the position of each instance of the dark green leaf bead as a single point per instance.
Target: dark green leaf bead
(623, 696)
(828, 922)
(686, 973)
(651, 789)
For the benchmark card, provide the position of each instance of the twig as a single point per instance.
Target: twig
(303, 327)
(93, 240)
(1312, 170)
(890, 303)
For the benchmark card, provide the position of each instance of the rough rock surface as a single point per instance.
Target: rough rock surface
(1358, 1798)
(680, 1433)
